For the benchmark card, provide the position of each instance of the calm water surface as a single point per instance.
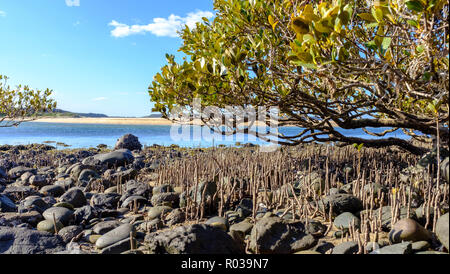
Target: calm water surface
(87, 135)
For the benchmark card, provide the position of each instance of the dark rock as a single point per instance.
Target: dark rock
(87, 174)
(245, 208)
(128, 141)
(6, 205)
(162, 189)
(420, 246)
(119, 157)
(85, 214)
(151, 226)
(74, 196)
(176, 216)
(316, 228)
(244, 227)
(18, 171)
(273, 235)
(341, 203)
(109, 200)
(38, 181)
(402, 248)
(26, 241)
(171, 199)
(194, 239)
(52, 190)
(323, 247)
(69, 232)
(13, 219)
(18, 191)
(33, 203)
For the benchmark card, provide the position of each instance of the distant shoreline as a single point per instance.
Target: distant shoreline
(107, 121)
(116, 121)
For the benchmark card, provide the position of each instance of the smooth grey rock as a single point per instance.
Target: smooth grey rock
(134, 199)
(117, 248)
(49, 226)
(420, 246)
(244, 227)
(116, 158)
(346, 248)
(345, 220)
(157, 211)
(116, 235)
(402, 248)
(62, 214)
(442, 230)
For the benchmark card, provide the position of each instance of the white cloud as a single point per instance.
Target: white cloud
(77, 23)
(99, 99)
(73, 3)
(2, 13)
(161, 26)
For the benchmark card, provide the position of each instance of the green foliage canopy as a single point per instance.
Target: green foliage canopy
(22, 104)
(325, 64)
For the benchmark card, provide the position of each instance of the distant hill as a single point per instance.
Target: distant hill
(154, 115)
(68, 114)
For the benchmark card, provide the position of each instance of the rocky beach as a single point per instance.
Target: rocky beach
(311, 199)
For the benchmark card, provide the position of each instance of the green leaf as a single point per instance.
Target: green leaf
(419, 49)
(414, 5)
(413, 23)
(386, 43)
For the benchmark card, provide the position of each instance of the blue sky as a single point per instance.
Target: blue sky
(97, 55)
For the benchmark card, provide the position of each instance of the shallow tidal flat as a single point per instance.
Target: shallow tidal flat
(305, 200)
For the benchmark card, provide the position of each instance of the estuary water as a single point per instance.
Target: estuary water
(91, 135)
